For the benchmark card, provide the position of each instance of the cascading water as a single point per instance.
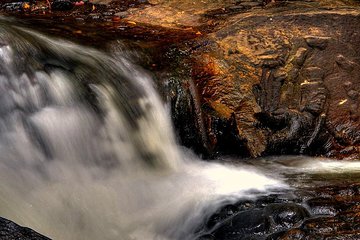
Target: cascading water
(88, 152)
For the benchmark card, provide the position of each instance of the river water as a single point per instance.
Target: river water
(88, 150)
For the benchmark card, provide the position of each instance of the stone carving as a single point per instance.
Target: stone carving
(293, 99)
(291, 83)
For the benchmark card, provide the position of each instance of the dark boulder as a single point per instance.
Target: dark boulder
(258, 223)
(62, 5)
(11, 231)
(243, 225)
(285, 215)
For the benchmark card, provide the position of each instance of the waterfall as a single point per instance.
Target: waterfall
(88, 151)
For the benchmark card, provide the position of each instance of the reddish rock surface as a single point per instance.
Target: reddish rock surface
(284, 80)
(247, 77)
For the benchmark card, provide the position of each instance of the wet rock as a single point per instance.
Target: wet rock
(94, 17)
(121, 14)
(313, 73)
(222, 214)
(79, 19)
(317, 42)
(242, 225)
(325, 205)
(11, 231)
(108, 13)
(256, 222)
(285, 215)
(282, 86)
(300, 56)
(62, 5)
(13, 7)
(345, 63)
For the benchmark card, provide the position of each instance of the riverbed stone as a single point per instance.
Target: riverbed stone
(285, 215)
(243, 225)
(257, 223)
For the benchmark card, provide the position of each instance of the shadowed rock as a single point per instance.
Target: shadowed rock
(288, 83)
(11, 231)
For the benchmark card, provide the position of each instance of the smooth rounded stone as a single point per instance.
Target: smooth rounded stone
(11, 231)
(257, 223)
(285, 215)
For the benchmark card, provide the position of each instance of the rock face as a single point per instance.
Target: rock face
(281, 80)
(12, 231)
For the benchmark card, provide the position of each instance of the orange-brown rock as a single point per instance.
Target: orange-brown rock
(288, 76)
(246, 77)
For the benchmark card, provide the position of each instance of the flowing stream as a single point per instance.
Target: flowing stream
(88, 151)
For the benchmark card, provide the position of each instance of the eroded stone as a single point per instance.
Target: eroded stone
(317, 42)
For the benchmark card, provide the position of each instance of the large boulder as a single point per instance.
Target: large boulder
(277, 80)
